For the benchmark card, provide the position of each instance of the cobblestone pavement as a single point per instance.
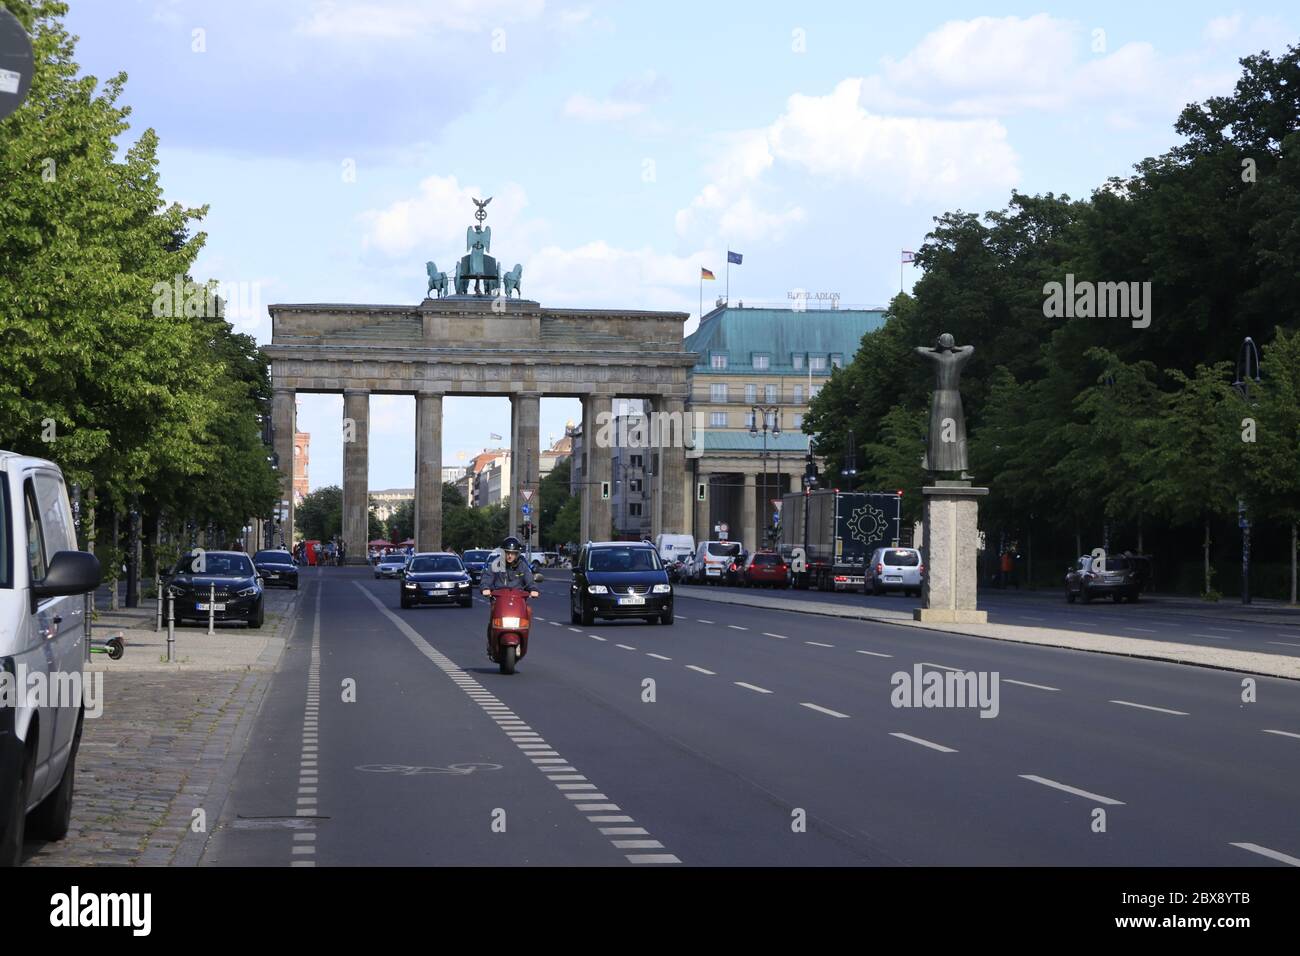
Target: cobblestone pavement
(162, 749)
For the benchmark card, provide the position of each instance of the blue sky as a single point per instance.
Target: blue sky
(626, 145)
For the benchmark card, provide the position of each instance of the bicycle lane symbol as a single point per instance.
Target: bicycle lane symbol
(455, 769)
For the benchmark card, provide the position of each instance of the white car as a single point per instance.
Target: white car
(390, 566)
(895, 569)
(42, 637)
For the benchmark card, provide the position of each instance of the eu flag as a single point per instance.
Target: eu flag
(735, 257)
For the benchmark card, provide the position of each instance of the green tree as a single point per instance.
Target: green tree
(319, 516)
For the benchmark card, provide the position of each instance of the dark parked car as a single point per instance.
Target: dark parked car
(225, 579)
(436, 578)
(475, 561)
(277, 568)
(1125, 577)
(620, 579)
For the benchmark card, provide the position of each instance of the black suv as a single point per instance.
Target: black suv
(226, 579)
(1125, 576)
(277, 567)
(436, 578)
(620, 579)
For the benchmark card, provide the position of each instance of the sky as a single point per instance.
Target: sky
(626, 145)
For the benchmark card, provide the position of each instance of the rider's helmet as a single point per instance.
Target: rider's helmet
(510, 546)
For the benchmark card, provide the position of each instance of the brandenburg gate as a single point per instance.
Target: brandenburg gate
(486, 341)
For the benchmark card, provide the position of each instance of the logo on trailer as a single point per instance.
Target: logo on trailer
(868, 524)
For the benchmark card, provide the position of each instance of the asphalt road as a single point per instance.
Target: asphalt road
(1266, 629)
(759, 721)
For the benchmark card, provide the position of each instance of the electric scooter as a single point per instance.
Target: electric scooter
(508, 627)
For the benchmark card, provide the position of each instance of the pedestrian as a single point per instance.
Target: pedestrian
(1008, 567)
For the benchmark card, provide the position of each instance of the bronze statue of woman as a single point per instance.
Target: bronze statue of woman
(946, 441)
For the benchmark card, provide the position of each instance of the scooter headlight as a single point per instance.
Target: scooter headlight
(507, 623)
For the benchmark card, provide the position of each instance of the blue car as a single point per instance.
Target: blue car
(617, 579)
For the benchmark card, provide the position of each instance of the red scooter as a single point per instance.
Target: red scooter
(508, 627)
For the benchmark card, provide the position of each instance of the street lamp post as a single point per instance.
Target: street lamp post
(775, 429)
(1247, 371)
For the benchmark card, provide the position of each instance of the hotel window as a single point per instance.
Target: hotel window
(798, 421)
(718, 419)
(797, 360)
(636, 461)
(718, 393)
(769, 393)
(837, 360)
(751, 393)
(771, 420)
(634, 509)
(817, 363)
(762, 362)
(749, 419)
(798, 394)
(718, 361)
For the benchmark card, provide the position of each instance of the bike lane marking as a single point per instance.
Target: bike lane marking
(536, 749)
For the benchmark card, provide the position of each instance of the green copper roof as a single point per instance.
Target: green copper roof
(779, 333)
(788, 442)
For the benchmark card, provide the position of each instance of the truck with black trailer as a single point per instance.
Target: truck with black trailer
(827, 535)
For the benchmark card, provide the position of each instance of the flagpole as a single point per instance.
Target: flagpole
(728, 277)
(701, 295)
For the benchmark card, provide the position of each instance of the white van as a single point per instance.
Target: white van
(675, 547)
(42, 624)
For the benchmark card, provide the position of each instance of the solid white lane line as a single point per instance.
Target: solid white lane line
(875, 654)
(779, 637)
(692, 667)
(761, 690)
(818, 644)
(1283, 733)
(658, 656)
(1284, 644)
(1025, 683)
(737, 627)
(822, 710)
(1074, 790)
(1271, 854)
(924, 743)
(1159, 710)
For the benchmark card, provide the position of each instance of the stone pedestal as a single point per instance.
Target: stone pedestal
(949, 549)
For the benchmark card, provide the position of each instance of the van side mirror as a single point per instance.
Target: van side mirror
(70, 572)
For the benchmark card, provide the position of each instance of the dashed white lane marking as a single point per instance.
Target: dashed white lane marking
(1229, 630)
(626, 647)
(658, 656)
(1159, 710)
(1025, 683)
(1031, 617)
(822, 710)
(1143, 630)
(702, 621)
(942, 667)
(1284, 644)
(556, 624)
(1213, 637)
(1074, 790)
(594, 637)
(580, 795)
(753, 687)
(575, 630)
(692, 667)
(307, 801)
(818, 644)
(924, 743)
(779, 637)
(1283, 733)
(875, 654)
(1271, 854)
(737, 627)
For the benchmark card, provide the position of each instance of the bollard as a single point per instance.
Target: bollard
(171, 627)
(212, 608)
(88, 614)
(157, 590)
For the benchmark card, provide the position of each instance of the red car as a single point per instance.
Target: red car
(766, 569)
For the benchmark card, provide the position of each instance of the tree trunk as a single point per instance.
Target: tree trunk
(1207, 555)
(115, 572)
(1141, 549)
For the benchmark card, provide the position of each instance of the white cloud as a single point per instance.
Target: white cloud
(433, 223)
(397, 19)
(1222, 28)
(582, 107)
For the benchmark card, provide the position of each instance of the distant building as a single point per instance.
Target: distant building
(385, 503)
(452, 474)
(776, 358)
(301, 459)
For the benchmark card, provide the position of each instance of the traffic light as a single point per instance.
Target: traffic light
(604, 491)
(528, 530)
(701, 490)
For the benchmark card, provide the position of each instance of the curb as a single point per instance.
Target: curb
(1251, 662)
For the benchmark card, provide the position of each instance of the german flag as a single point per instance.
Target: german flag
(706, 274)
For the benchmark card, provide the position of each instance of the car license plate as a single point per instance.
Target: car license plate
(215, 607)
(892, 580)
(713, 570)
(633, 599)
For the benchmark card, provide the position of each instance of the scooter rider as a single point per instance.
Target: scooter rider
(511, 573)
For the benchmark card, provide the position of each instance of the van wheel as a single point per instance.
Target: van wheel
(666, 617)
(52, 818)
(588, 615)
(12, 830)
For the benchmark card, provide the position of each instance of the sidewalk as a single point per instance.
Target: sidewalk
(169, 738)
(1229, 607)
(1271, 665)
